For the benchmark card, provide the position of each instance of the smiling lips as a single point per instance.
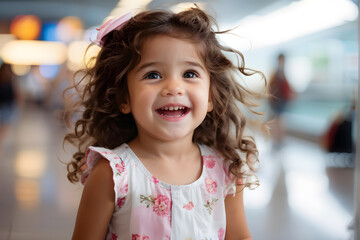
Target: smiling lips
(173, 113)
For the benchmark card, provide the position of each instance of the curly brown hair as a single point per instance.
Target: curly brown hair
(103, 88)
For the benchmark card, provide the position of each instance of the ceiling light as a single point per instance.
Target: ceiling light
(4, 38)
(290, 22)
(32, 52)
(20, 70)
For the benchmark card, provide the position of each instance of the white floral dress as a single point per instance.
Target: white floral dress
(149, 209)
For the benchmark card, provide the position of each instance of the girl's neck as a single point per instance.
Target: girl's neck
(175, 163)
(169, 150)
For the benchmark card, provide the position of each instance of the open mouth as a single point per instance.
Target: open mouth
(173, 111)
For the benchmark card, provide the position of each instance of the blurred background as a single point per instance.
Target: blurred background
(308, 50)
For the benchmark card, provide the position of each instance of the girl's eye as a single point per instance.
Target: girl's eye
(190, 75)
(153, 75)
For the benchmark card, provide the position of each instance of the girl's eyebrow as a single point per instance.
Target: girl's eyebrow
(150, 64)
(195, 64)
(146, 65)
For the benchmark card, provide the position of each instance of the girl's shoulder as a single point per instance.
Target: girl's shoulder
(217, 168)
(211, 157)
(111, 157)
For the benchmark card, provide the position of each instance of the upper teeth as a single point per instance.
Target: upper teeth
(172, 108)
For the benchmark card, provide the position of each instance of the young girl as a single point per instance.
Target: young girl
(161, 151)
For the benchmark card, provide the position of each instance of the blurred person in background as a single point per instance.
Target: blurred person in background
(280, 95)
(339, 138)
(9, 98)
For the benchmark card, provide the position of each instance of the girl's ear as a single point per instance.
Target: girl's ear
(210, 102)
(210, 106)
(125, 108)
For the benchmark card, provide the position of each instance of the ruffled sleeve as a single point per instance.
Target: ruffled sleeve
(94, 154)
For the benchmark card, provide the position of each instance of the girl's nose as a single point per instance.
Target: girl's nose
(173, 88)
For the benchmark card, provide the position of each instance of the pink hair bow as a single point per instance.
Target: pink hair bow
(111, 25)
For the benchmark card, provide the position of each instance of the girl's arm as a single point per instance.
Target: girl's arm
(236, 225)
(97, 203)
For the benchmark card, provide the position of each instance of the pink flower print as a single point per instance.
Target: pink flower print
(155, 180)
(114, 236)
(121, 202)
(104, 152)
(221, 233)
(209, 161)
(135, 237)
(90, 160)
(83, 179)
(189, 206)
(139, 237)
(120, 167)
(211, 185)
(162, 205)
(124, 189)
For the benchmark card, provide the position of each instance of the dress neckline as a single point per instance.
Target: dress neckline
(164, 184)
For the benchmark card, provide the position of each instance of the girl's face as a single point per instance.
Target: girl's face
(168, 89)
